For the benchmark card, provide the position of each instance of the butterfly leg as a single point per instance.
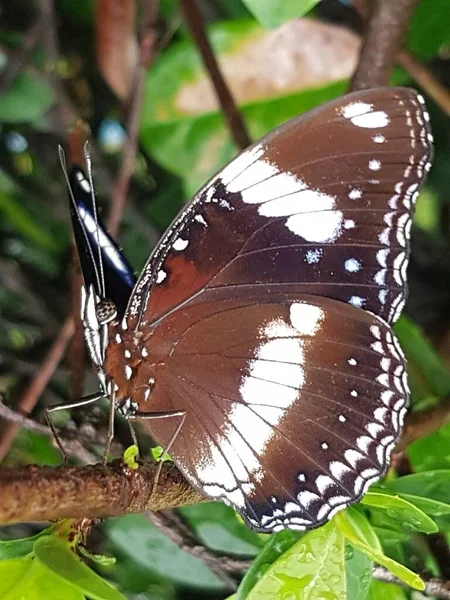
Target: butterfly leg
(163, 415)
(110, 435)
(67, 406)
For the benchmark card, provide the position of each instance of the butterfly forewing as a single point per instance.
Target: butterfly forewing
(322, 205)
(293, 403)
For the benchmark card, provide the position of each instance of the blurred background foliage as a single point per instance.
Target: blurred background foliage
(78, 62)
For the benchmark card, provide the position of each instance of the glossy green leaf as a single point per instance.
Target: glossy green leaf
(424, 357)
(386, 591)
(277, 545)
(55, 555)
(28, 579)
(273, 13)
(312, 569)
(26, 100)
(135, 537)
(408, 516)
(219, 528)
(430, 28)
(358, 568)
(361, 535)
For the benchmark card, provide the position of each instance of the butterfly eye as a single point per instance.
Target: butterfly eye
(106, 311)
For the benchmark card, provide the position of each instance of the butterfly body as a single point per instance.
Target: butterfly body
(260, 327)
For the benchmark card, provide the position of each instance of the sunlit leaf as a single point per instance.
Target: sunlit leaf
(358, 568)
(408, 516)
(360, 534)
(312, 569)
(55, 555)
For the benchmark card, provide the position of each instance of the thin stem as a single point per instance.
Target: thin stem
(236, 125)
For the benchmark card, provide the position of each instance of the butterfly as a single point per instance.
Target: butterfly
(256, 345)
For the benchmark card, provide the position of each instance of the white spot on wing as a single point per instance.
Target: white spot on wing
(317, 227)
(306, 318)
(180, 244)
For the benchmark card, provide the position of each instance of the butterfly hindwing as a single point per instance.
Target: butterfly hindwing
(293, 404)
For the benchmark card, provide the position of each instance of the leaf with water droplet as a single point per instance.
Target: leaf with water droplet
(358, 531)
(322, 575)
(358, 567)
(400, 510)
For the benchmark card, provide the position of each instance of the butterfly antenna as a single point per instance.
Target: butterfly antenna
(62, 159)
(87, 157)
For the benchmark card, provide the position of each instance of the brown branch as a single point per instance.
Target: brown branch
(236, 125)
(39, 383)
(425, 78)
(95, 491)
(420, 424)
(385, 35)
(438, 588)
(147, 52)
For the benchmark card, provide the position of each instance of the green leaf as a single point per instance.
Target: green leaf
(424, 357)
(13, 211)
(273, 13)
(387, 591)
(26, 100)
(135, 537)
(361, 535)
(27, 578)
(358, 568)
(431, 452)
(55, 554)
(431, 484)
(219, 528)
(129, 457)
(430, 28)
(277, 545)
(193, 143)
(312, 569)
(157, 454)
(403, 512)
(19, 547)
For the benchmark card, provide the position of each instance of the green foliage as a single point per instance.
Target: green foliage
(273, 13)
(47, 567)
(26, 101)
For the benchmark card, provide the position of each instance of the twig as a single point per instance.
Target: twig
(420, 424)
(39, 383)
(95, 491)
(425, 78)
(385, 35)
(236, 125)
(147, 50)
(72, 447)
(438, 588)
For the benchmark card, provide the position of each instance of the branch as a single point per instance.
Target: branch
(420, 424)
(385, 36)
(230, 111)
(47, 493)
(438, 588)
(147, 52)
